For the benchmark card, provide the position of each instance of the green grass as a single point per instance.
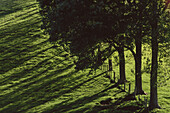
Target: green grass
(35, 77)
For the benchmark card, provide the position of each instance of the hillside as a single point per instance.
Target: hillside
(37, 76)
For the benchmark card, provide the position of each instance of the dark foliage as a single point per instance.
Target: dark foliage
(85, 25)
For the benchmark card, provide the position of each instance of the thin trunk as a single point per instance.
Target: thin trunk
(110, 60)
(110, 64)
(110, 70)
(153, 80)
(122, 65)
(138, 64)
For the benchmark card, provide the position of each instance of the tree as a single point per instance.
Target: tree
(119, 46)
(121, 64)
(153, 90)
(93, 22)
(137, 29)
(90, 23)
(156, 14)
(84, 26)
(164, 48)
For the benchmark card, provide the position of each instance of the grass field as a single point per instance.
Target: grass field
(37, 76)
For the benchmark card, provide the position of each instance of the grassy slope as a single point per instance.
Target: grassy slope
(36, 77)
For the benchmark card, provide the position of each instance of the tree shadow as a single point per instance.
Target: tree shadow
(66, 105)
(127, 103)
(10, 8)
(19, 30)
(16, 76)
(28, 88)
(20, 61)
(6, 12)
(29, 13)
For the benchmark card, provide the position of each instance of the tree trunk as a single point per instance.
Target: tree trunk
(110, 60)
(110, 64)
(121, 65)
(138, 64)
(153, 80)
(110, 70)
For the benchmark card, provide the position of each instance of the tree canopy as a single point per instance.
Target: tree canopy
(85, 25)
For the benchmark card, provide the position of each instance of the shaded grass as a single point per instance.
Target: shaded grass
(38, 76)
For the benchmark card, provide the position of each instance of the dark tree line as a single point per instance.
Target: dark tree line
(94, 29)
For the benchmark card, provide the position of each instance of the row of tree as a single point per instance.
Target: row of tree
(94, 29)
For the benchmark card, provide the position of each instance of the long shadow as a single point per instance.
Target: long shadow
(6, 12)
(31, 5)
(59, 94)
(25, 16)
(29, 89)
(65, 106)
(30, 15)
(88, 80)
(26, 105)
(80, 84)
(26, 80)
(137, 106)
(18, 26)
(118, 105)
(16, 50)
(9, 12)
(57, 79)
(9, 21)
(27, 39)
(19, 31)
(24, 72)
(59, 87)
(58, 71)
(17, 63)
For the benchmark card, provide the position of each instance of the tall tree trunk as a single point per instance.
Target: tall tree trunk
(153, 80)
(121, 65)
(138, 64)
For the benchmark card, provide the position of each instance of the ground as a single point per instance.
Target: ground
(37, 76)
